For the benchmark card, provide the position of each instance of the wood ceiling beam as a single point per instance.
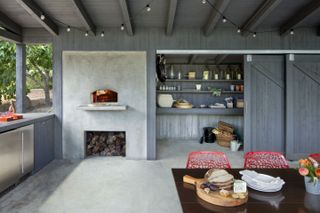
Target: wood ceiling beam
(298, 18)
(259, 16)
(35, 11)
(8, 24)
(214, 17)
(126, 17)
(220, 58)
(84, 15)
(9, 36)
(171, 16)
(192, 59)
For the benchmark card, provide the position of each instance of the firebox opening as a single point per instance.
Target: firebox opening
(105, 143)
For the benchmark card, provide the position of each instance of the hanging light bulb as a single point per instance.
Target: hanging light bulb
(239, 30)
(291, 32)
(42, 17)
(86, 34)
(224, 20)
(254, 35)
(122, 27)
(102, 34)
(204, 1)
(68, 29)
(148, 8)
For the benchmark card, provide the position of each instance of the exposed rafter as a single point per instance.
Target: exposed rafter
(7, 35)
(126, 16)
(221, 5)
(192, 59)
(318, 31)
(8, 24)
(220, 58)
(171, 16)
(298, 18)
(261, 13)
(35, 11)
(83, 14)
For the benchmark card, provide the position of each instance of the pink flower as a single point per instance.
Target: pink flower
(303, 171)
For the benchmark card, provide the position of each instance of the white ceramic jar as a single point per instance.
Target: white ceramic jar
(165, 100)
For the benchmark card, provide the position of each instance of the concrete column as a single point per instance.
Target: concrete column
(20, 78)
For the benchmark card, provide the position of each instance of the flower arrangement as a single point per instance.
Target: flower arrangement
(309, 167)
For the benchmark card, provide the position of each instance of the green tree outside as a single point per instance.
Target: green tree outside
(39, 69)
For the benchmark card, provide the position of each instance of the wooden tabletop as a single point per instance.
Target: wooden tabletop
(292, 198)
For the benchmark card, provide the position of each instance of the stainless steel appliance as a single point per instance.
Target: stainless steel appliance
(16, 155)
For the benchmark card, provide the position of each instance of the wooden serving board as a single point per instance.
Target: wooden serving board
(213, 197)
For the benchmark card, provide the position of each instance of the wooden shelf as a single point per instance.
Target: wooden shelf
(196, 92)
(199, 111)
(201, 80)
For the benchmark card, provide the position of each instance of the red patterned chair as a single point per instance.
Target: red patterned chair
(265, 160)
(207, 160)
(315, 156)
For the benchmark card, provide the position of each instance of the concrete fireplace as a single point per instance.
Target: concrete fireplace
(124, 72)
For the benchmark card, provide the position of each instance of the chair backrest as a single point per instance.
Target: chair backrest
(265, 160)
(315, 156)
(207, 160)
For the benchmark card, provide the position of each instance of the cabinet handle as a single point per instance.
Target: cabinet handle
(22, 153)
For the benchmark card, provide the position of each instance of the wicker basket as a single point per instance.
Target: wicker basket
(223, 138)
(225, 127)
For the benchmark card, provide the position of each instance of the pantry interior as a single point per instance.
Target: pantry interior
(199, 90)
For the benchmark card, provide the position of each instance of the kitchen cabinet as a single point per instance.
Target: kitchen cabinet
(16, 155)
(44, 143)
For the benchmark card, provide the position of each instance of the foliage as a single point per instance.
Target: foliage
(7, 70)
(39, 69)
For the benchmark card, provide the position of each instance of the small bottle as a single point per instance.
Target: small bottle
(179, 75)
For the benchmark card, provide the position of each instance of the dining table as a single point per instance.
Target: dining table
(290, 199)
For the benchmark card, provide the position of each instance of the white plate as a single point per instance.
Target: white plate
(262, 182)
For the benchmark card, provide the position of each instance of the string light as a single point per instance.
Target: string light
(204, 1)
(239, 30)
(122, 27)
(42, 17)
(102, 34)
(86, 34)
(254, 35)
(148, 7)
(224, 20)
(291, 32)
(68, 29)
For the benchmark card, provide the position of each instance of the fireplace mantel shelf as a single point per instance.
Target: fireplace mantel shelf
(89, 107)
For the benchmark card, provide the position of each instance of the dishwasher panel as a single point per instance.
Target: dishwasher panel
(10, 161)
(27, 154)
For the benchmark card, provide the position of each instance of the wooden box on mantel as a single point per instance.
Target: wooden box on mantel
(104, 96)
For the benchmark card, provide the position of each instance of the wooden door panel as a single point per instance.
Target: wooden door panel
(264, 95)
(303, 106)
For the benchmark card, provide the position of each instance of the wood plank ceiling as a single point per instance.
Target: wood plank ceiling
(171, 15)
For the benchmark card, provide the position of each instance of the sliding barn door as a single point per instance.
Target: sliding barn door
(303, 106)
(264, 103)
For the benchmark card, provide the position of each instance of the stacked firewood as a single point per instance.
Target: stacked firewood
(105, 144)
(224, 134)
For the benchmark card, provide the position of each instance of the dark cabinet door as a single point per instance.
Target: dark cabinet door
(264, 124)
(303, 106)
(44, 144)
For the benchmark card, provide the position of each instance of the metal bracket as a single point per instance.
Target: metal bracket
(249, 58)
(291, 57)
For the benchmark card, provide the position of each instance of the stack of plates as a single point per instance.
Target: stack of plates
(261, 182)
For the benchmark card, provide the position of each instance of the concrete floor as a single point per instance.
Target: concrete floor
(103, 184)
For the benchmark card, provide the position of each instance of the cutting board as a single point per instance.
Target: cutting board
(213, 197)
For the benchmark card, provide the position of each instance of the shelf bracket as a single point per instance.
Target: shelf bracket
(291, 57)
(249, 58)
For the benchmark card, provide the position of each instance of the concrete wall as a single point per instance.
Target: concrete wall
(123, 72)
(150, 40)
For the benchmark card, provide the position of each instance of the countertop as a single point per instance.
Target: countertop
(28, 118)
